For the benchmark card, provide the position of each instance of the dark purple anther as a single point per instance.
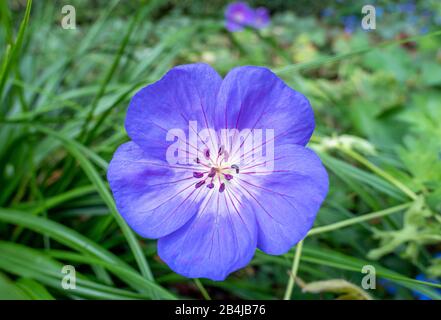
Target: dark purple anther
(207, 153)
(197, 160)
(210, 185)
(199, 184)
(228, 176)
(212, 173)
(221, 150)
(222, 187)
(236, 167)
(198, 175)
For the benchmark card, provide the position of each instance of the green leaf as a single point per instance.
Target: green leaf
(99, 184)
(13, 52)
(78, 242)
(30, 263)
(11, 291)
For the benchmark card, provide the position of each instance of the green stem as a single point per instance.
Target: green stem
(202, 289)
(316, 63)
(271, 42)
(293, 274)
(365, 217)
(380, 172)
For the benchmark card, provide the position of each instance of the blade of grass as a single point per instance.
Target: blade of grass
(108, 76)
(85, 288)
(15, 49)
(322, 61)
(362, 218)
(34, 290)
(380, 172)
(202, 289)
(95, 178)
(133, 276)
(73, 240)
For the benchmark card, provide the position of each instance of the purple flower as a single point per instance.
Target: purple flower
(261, 18)
(408, 7)
(238, 15)
(379, 11)
(213, 198)
(350, 23)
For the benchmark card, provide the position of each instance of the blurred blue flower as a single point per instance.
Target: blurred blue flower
(421, 296)
(350, 23)
(261, 18)
(408, 7)
(427, 13)
(424, 30)
(379, 12)
(237, 16)
(390, 287)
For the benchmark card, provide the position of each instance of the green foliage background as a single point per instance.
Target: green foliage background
(63, 97)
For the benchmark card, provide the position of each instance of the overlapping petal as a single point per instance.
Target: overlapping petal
(287, 200)
(186, 93)
(220, 239)
(153, 197)
(255, 98)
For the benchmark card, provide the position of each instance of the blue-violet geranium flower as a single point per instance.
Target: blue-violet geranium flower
(196, 177)
(261, 18)
(238, 15)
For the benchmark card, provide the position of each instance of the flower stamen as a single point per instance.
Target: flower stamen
(198, 175)
(199, 184)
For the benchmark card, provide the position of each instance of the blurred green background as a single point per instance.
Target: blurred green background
(377, 101)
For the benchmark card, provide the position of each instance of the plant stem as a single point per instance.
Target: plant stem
(365, 217)
(202, 289)
(293, 274)
(380, 172)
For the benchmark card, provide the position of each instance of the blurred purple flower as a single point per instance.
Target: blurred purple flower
(208, 214)
(389, 286)
(237, 16)
(424, 30)
(408, 7)
(350, 23)
(261, 18)
(379, 11)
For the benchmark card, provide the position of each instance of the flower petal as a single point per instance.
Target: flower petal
(261, 18)
(154, 198)
(220, 239)
(255, 98)
(186, 93)
(238, 15)
(287, 200)
(233, 26)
